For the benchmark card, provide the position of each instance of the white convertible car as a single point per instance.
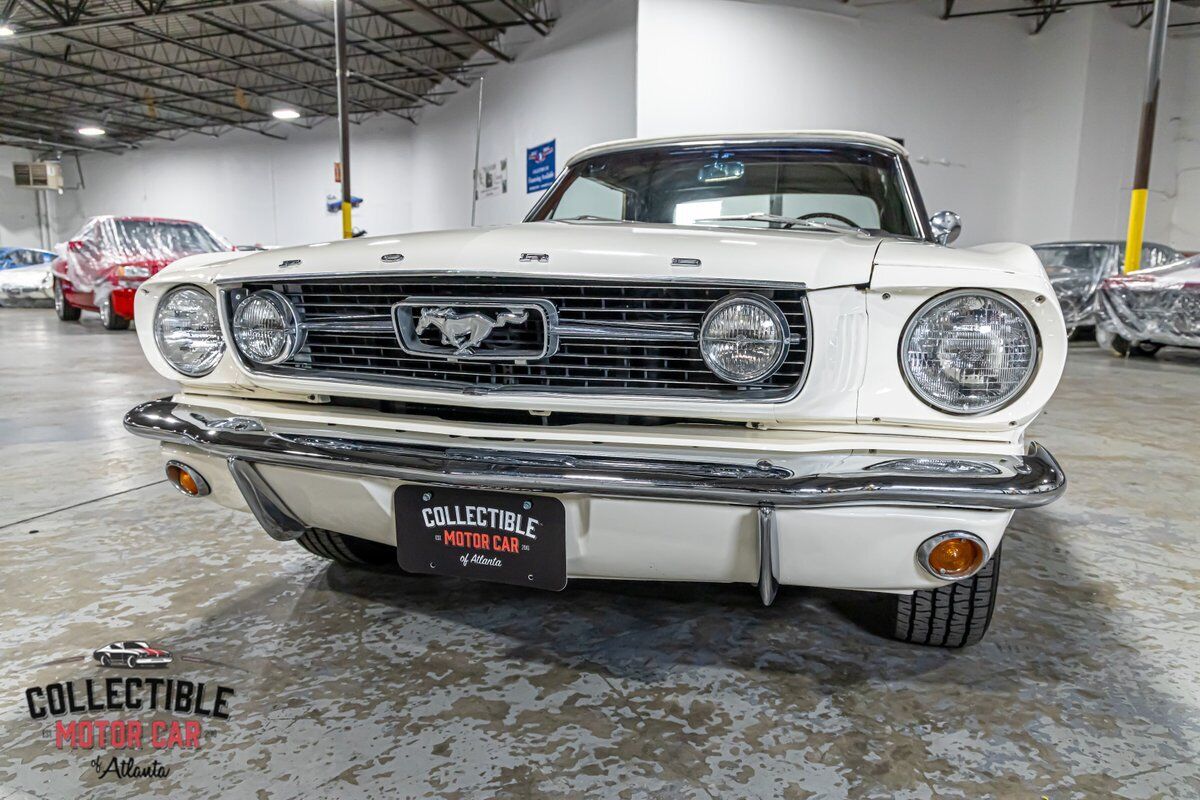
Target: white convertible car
(748, 358)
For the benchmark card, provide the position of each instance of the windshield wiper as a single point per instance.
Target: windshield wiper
(787, 222)
(585, 218)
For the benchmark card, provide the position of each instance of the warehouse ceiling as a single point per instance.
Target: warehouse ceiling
(1040, 13)
(159, 69)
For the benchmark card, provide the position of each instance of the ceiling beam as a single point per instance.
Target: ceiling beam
(149, 84)
(540, 25)
(357, 41)
(238, 64)
(5, 138)
(208, 77)
(121, 19)
(213, 119)
(424, 11)
(276, 44)
(1051, 10)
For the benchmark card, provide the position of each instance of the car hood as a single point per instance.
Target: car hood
(585, 249)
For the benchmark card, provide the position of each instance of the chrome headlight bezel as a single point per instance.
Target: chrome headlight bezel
(763, 304)
(997, 404)
(290, 331)
(208, 364)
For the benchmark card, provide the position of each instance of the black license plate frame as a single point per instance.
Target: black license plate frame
(481, 534)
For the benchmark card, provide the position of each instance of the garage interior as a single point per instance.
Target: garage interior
(1020, 115)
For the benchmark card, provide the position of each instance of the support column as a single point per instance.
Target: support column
(1141, 175)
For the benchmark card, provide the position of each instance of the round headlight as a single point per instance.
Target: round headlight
(187, 331)
(744, 338)
(265, 327)
(968, 352)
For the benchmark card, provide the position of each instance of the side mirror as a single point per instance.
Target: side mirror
(946, 226)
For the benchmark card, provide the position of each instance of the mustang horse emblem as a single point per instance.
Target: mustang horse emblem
(465, 332)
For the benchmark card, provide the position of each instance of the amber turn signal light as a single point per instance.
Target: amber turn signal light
(186, 479)
(953, 555)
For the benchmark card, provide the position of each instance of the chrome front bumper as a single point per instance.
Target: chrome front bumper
(793, 481)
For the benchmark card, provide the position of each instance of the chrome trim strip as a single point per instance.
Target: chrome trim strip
(387, 276)
(629, 331)
(768, 554)
(1027, 481)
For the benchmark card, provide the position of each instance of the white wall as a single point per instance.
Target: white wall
(576, 86)
(250, 188)
(1181, 189)
(18, 209)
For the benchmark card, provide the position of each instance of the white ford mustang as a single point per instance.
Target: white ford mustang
(748, 358)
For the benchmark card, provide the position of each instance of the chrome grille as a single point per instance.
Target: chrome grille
(601, 348)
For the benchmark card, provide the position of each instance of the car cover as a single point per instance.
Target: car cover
(1160, 305)
(111, 242)
(1076, 270)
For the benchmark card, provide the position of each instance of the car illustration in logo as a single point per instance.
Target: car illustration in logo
(134, 655)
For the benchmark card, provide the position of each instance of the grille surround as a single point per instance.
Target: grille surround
(346, 342)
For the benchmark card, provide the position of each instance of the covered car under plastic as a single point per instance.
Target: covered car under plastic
(1076, 270)
(109, 258)
(1151, 307)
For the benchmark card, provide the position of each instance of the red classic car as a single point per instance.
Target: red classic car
(102, 266)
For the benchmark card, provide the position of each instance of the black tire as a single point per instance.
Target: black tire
(1120, 346)
(131, 662)
(110, 319)
(105, 661)
(954, 615)
(349, 550)
(65, 311)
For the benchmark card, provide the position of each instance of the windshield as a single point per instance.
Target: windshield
(180, 238)
(834, 186)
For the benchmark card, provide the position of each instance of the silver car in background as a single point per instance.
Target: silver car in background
(1076, 270)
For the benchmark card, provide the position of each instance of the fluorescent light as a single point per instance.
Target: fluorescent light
(285, 113)
(90, 130)
(7, 30)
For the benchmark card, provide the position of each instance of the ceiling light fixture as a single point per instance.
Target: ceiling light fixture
(7, 30)
(90, 130)
(285, 113)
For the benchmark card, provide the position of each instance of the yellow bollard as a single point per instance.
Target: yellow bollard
(1137, 226)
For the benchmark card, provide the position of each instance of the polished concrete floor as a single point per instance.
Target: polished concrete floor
(355, 685)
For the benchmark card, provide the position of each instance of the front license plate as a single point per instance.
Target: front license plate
(485, 536)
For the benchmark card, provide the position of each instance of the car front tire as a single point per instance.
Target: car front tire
(110, 319)
(65, 311)
(348, 550)
(105, 661)
(954, 615)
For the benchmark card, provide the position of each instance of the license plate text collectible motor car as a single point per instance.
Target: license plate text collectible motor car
(749, 358)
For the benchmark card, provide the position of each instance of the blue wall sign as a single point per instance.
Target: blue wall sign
(539, 167)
